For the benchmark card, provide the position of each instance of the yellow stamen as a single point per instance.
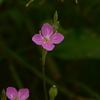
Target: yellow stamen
(46, 40)
(16, 99)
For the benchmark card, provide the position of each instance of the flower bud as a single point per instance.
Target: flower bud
(3, 95)
(55, 18)
(53, 92)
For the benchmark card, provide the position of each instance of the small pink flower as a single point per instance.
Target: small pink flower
(12, 93)
(47, 38)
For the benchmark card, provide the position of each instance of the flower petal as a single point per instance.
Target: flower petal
(47, 30)
(56, 38)
(23, 94)
(37, 39)
(48, 46)
(11, 92)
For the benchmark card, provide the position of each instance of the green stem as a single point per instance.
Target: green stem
(20, 59)
(44, 52)
(44, 83)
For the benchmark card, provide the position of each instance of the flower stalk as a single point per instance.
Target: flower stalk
(44, 53)
(47, 37)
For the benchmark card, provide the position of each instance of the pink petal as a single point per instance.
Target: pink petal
(48, 46)
(47, 30)
(56, 38)
(37, 39)
(23, 94)
(11, 92)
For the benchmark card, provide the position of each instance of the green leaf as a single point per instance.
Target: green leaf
(1, 1)
(78, 45)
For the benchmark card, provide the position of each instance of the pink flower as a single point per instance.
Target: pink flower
(12, 93)
(47, 38)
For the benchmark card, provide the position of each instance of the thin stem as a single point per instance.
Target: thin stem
(20, 59)
(44, 52)
(44, 83)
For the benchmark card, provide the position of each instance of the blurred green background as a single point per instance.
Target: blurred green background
(74, 64)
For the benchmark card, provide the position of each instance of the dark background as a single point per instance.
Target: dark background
(74, 64)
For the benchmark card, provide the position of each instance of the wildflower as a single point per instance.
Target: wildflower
(12, 93)
(47, 38)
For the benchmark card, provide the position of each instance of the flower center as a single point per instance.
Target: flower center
(46, 40)
(16, 99)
